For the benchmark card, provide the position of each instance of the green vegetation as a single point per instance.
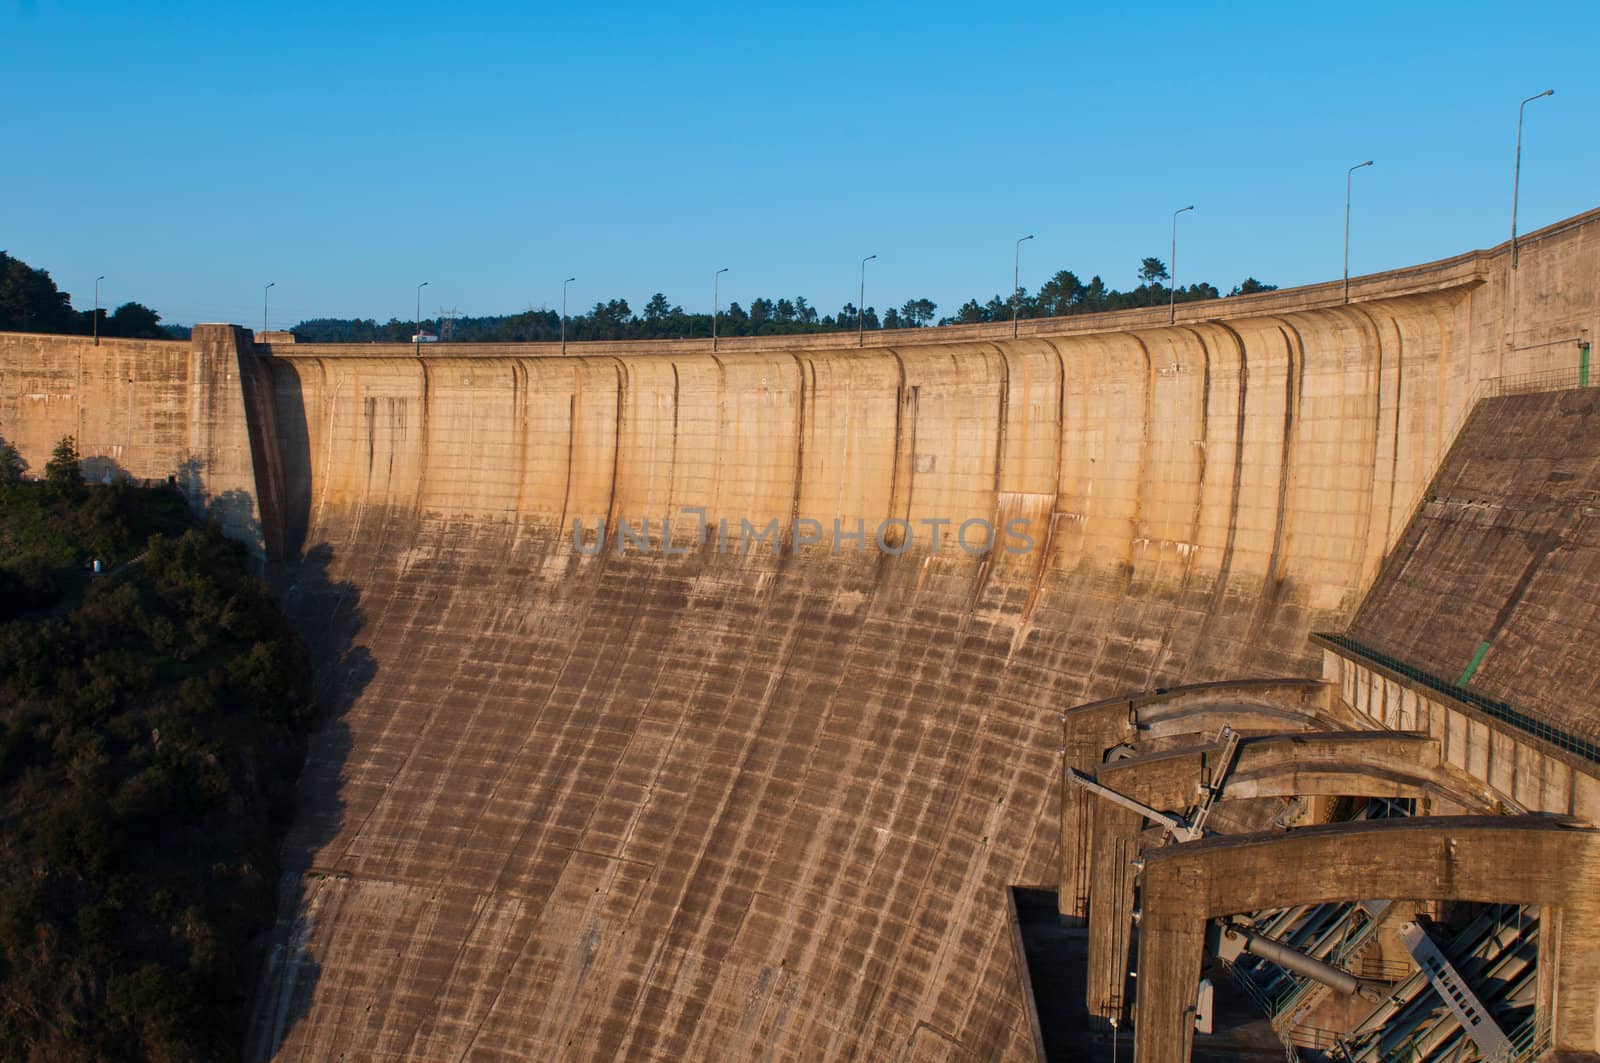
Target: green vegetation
(1062, 295)
(30, 302)
(152, 723)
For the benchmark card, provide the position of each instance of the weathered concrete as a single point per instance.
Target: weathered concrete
(1526, 772)
(1345, 764)
(145, 409)
(727, 806)
(1094, 732)
(1504, 558)
(1520, 860)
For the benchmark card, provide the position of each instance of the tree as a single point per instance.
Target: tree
(916, 313)
(1250, 286)
(1061, 294)
(30, 301)
(134, 321)
(656, 309)
(11, 465)
(891, 319)
(971, 313)
(1152, 271)
(63, 476)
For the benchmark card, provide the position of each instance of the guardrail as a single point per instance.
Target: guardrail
(1499, 710)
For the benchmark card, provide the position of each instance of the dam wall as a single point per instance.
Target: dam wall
(145, 410)
(716, 798)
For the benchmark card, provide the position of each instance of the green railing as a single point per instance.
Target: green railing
(1587, 749)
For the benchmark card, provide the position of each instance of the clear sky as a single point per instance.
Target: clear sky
(194, 152)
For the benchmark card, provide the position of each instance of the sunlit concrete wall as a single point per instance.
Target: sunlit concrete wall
(720, 806)
(146, 410)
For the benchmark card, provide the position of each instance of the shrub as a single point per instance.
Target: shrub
(63, 476)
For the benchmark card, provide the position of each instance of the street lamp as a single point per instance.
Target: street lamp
(416, 337)
(1113, 1039)
(97, 281)
(1172, 296)
(564, 284)
(1016, 292)
(861, 307)
(1516, 177)
(716, 303)
(264, 292)
(1347, 175)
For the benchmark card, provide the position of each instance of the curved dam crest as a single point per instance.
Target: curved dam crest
(721, 804)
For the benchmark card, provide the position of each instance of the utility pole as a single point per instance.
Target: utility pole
(1016, 290)
(564, 284)
(861, 307)
(416, 334)
(1516, 177)
(716, 303)
(1172, 296)
(1347, 175)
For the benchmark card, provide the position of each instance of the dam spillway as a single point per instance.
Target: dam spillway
(715, 803)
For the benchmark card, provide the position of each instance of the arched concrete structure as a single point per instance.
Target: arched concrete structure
(1489, 859)
(1364, 764)
(1090, 731)
(728, 805)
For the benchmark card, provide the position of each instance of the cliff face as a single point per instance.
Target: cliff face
(702, 801)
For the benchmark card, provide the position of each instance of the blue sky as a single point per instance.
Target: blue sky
(192, 153)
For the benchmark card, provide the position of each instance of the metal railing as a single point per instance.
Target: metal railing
(1581, 747)
(1529, 1041)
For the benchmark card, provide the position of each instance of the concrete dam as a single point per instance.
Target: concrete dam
(753, 777)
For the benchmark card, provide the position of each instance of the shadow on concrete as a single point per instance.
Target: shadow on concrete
(327, 613)
(99, 469)
(1056, 956)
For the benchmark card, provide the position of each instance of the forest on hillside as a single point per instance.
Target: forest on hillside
(1062, 295)
(30, 302)
(153, 720)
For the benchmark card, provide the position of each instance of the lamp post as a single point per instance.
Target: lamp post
(97, 281)
(1347, 175)
(564, 284)
(416, 337)
(1516, 177)
(1172, 296)
(716, 303)
(1016, 291)
(1113, 1039)
(264, 292)
(861, 307)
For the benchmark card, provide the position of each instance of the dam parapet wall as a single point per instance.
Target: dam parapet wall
(686, 799)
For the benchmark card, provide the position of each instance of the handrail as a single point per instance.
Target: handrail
(1499, 710)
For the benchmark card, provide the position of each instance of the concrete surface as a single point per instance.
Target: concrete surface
(1504, 555)
(1524, 860)
(724, 806)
